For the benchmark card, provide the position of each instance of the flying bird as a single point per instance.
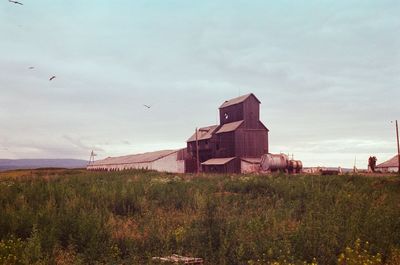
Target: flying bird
(147, 106)
(15, 2)
(31, 67)
(51, 78)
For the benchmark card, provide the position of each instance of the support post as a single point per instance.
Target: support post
(398, 148)
(197, 154)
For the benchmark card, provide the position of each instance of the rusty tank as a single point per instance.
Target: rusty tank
(274, 162)
(295, 166)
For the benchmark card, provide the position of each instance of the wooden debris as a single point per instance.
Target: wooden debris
(177, 259)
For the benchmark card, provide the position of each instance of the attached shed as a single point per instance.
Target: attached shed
(165, 160)
(250, 165)
(221, 165)
(392, 165)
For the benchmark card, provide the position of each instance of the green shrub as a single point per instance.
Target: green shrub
(359, 254)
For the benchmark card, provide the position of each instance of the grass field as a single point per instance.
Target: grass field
(80, 217)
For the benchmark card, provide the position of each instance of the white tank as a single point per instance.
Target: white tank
(274, 162)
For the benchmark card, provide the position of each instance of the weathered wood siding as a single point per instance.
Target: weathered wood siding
(225, 146)
(251, 142)
(206, 151)
(234, 112)
(251, 109)
(230, 167)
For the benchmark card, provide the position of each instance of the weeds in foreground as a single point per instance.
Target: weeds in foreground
(79, 217)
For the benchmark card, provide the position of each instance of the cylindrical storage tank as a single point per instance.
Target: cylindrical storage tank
(274, 162)
(295, 166)
(300, 166)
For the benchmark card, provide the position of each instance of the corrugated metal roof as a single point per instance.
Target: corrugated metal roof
(138, 158)
(203, 133)
(229, 127)
(237, 100)
(393, 162)
(252, 160)
(218, 161)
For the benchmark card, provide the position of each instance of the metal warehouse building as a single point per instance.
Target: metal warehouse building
(392, 165)
(165, 160)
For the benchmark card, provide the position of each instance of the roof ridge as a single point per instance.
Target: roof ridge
(237, 100)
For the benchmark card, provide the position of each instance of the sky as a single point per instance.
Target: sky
(326, 72)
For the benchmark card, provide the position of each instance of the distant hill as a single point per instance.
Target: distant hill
(10, 164)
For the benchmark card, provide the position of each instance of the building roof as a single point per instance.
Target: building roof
(393, 162)
(229, 127)
(203, 133)
(237, 100)
(262, 125)
(218, 161)
(138, 158)
(252, 160)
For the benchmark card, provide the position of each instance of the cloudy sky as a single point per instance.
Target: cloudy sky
(326, 72)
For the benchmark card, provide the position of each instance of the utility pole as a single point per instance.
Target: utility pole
(91, 159)
(398, 148)
(197, 154)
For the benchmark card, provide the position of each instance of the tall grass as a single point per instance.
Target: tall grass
(80, 217)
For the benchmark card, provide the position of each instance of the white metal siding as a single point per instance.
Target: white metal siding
(167, 163)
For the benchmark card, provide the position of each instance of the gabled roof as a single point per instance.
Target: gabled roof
(229, 127)
(203, 133)
(218, 161)
(138, 158)
(237, 100)
(393, 162)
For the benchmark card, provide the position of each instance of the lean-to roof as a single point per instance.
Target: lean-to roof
(218, 161)
(229, 127)
(252, 160)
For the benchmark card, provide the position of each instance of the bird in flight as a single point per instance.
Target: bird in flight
(147, 106)
(31, 67)
(15, 2)
(51, 78)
